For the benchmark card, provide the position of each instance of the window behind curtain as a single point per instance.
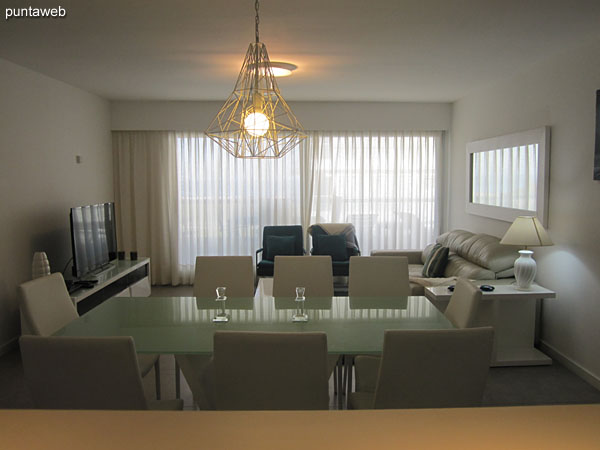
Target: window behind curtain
(386, 184)
(225, 202)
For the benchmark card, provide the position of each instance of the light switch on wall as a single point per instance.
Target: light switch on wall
(78, 159)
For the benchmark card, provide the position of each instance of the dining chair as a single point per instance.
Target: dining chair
(378, 276)
(314, 273)
(46, 307)
(375, 276)
(270, 371)
(85, 373)
(236, 273)
(425, 369)
(464, 304)
(278, 240)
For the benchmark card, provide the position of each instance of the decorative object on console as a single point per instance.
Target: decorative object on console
(40, 266)
(255, 121)
(526, 231)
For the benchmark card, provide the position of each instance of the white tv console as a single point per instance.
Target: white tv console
(125, 278)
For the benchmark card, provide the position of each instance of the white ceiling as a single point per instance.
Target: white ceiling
(354, 50)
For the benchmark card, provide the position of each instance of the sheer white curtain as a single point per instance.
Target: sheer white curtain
(386, 184)
(178, 195)
(225, 202)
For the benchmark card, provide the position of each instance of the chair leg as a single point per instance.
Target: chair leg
(157, 377)
(177, 380)
(335, 380)
(339, 381)
(349, 368)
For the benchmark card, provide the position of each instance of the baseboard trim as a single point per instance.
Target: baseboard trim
(8, 346)
(570, 364)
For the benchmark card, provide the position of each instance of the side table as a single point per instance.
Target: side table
(512, 313)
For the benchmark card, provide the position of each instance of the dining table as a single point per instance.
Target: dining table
(184, 325)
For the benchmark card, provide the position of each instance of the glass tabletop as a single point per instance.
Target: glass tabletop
(354, 325)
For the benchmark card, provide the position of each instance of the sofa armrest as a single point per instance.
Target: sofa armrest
(414, 256)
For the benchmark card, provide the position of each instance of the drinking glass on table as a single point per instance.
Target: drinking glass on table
(221, 297)
(300, 315)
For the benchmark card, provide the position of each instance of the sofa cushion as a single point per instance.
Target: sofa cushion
(280, 246)
(459, 267)
(436, 262)
(481, 249)
(454, 239)
(333, 245)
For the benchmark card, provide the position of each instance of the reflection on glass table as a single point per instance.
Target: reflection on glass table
(184, 324)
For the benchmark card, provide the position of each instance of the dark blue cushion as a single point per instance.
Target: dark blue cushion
(331, 244)
(279, 245)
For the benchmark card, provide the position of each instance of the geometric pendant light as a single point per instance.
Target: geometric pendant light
(255, 121)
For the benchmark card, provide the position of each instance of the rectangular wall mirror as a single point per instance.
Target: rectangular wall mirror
(508, 175)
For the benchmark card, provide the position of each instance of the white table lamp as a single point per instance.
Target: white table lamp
(526, 231)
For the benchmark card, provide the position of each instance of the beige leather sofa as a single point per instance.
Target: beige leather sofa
(474, 256)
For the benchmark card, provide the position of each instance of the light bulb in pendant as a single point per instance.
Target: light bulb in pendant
(257, 124)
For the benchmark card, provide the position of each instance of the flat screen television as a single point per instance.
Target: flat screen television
(93, 237)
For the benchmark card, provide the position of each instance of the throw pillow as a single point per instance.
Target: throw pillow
(435, 264)
(279, 245)
(333, 245)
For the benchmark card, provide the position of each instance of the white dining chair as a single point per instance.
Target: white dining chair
(314, 273)
(378, 276)
(46, 307)
(270, 371)
(425, 369)
(464, 304)
(236, 273)
(85, 373)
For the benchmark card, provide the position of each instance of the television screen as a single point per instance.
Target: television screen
(93, 237)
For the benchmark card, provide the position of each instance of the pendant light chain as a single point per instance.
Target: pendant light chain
(257, 20)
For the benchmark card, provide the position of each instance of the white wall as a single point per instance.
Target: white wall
(44, 124)
(559, 92)
(314, 116)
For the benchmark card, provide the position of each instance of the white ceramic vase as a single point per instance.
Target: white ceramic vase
(40, 266)
(525, 269)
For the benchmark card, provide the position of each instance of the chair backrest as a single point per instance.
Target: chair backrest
(434, 368)
(464, 303)
(236, 273)
(283, 230)
(313, 272)
(82, 372)
(45, 305)
(378, 276)
(270, 371)
(345, 230)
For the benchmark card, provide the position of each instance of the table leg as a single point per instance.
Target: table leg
(340, 389)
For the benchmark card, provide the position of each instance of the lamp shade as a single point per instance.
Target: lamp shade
(527, 231)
